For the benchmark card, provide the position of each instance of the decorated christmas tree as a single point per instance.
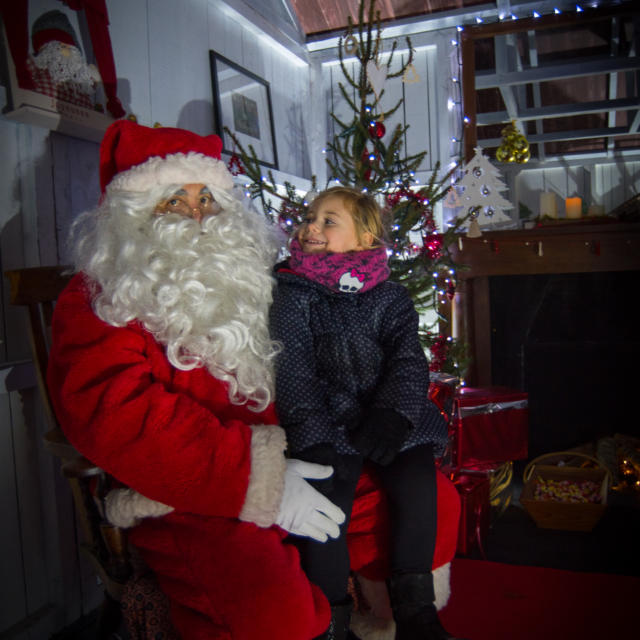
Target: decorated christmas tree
(363, 154)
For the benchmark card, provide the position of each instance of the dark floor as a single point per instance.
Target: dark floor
(514, 538)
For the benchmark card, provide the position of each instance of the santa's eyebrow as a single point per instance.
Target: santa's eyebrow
(182, 192)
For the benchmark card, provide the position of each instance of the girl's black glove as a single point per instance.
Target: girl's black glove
(380, 435)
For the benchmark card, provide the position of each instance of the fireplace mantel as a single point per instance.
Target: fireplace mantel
(574, 247)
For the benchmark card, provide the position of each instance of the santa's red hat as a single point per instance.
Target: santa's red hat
(136, 158)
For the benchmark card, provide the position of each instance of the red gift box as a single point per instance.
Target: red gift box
(474, 512)
(490, 426)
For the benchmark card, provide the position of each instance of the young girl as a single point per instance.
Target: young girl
(351, 386)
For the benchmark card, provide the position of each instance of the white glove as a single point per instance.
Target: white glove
(304, 511)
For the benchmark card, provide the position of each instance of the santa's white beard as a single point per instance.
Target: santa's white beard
(69, 67)
(203, 291)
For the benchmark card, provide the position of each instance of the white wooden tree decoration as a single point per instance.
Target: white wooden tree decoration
(481, 184)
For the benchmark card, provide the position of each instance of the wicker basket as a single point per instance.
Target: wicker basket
(571, 516)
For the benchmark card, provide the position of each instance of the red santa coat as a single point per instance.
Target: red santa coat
(175, 437)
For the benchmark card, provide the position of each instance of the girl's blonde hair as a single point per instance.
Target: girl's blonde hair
(364, 210)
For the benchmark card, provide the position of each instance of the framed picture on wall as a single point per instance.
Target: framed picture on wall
(56, 75)
(242, 104)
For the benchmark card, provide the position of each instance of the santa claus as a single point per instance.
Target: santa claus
(160, 373)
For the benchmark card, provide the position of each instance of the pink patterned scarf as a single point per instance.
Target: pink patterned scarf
(351, 272)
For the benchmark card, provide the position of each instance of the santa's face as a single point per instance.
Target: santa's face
(192, 201)
(65, 63)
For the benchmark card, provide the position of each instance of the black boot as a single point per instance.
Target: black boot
(340, 620)
(412, 602)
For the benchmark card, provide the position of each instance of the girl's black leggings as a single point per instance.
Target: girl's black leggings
(410, 485)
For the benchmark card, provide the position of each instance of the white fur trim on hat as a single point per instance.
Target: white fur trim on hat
(177, 168)
(125, 508)
(266, 481)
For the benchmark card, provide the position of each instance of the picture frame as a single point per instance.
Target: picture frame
(30, 105)
(242, 104)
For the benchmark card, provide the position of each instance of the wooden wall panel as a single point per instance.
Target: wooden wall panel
(130, 45)
(13, 606)
(75, 185)
(179, 76)
(25, 446)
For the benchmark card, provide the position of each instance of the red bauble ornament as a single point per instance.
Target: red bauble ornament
(432, 245)
(377, 129)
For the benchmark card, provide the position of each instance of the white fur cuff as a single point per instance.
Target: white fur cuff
(266, 480)
(126, 507)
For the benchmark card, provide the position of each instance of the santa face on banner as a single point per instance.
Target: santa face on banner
(58, 67)
(66, 64)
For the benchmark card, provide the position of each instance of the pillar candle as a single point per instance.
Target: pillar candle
(548, 204)
(573, 207)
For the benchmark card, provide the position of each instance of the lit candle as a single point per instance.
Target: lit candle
(548, 205)
(573, 207)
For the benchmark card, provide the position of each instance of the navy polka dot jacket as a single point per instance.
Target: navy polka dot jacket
(345, 354)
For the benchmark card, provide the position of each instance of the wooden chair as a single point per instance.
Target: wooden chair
(105, 545)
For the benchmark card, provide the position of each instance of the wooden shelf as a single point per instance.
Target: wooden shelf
(30, 107)
(577, 247)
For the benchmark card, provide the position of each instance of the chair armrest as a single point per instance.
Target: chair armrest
(57, 445)
(80, 468)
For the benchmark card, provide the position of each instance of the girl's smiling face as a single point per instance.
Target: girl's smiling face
(330, 227)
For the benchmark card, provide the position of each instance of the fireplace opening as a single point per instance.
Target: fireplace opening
(572, 341)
